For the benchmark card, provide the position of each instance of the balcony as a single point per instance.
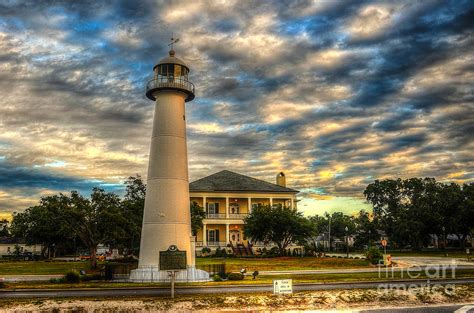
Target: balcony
(170, 83)
(211, 244)
(238, 215)
(215, 215)
(223, 215)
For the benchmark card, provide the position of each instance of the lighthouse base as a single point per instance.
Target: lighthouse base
(153, 274)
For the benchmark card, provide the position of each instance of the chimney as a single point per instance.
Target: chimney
(281, 180)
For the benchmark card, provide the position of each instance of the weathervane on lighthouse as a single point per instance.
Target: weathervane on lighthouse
(166, 217)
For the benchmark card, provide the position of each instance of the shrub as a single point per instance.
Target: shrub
(274, 251)
(217, 278)
(2, 283)
(205, 250)
(72, 277)
(374, 255)
(235, 276)
(220, 252)
(91, 277)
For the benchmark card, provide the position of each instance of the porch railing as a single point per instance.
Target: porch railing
(215, 215)
(238, 215)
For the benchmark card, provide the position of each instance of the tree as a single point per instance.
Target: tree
(319, 225)
(464, 221)
(132, 208)
(42, 224)
(197, 215)
(366, 229)
(279, 225)
(94, 221)
(4, 228)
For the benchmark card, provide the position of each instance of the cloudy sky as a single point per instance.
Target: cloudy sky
(333, 93)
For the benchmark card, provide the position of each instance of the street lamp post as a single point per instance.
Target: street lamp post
(329, 230)
(444, 240)
(347, 241)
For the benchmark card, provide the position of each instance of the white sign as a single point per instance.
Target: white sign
(282, 286)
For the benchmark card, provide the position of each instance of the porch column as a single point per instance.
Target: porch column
(271, 202)
(292, 204)
(226, 207)
(249, 205)
(204, 235)
(204, 206)
(227, 234)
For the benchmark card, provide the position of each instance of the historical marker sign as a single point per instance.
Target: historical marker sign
(172, 259)
(282, 286)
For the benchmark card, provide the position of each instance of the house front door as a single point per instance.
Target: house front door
(235, 237)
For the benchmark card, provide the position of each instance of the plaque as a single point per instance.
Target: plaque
(172, 259)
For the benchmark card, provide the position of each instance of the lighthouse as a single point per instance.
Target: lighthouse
(167, 218)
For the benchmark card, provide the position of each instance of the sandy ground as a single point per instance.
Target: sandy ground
(320, 300)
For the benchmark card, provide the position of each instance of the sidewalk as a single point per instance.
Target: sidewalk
(20, 278)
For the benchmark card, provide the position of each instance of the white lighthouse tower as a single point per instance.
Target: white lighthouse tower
(166, 219)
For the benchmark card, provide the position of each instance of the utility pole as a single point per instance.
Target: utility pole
(329, 235)
(347, 241)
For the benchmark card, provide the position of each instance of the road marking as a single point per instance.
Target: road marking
(465, 309)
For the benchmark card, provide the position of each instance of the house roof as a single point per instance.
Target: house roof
(229, 181)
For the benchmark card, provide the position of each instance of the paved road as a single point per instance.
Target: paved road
(130, 292)
(448, 308)
(19, 278)
(425, 261)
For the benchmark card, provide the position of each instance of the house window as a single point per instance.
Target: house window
(212, 235)
(234, 208)
(213, 208)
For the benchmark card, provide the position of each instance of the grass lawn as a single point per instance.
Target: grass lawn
(451, 254)
(40, 267)
(313, 278)
(283, 263)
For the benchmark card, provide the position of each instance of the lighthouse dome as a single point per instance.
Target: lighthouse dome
(171, 73)
(171, 59)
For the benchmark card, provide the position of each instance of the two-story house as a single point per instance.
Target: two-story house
(228, 198)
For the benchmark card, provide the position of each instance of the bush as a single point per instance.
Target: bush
(220, 252)
(72, 277)
(374, 255)
(217, 278)
(235, 276)
(205, 250)
(91, 277)
(2, 283)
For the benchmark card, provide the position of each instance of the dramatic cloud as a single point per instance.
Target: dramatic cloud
(333, 93)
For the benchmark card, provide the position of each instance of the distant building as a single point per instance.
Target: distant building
(228, 198)
(8, 247)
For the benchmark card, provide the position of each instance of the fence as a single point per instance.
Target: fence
(213, 269)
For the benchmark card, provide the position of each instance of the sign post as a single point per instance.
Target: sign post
(387, 258)
(172, 260)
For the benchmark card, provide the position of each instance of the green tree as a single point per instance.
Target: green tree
(279, 225)
(197, 215)
(4, 228)
(133, 205)
(366, 230)
(95, 221)
(339, 222)
(464, 221)
(319, 225)
(42, 224)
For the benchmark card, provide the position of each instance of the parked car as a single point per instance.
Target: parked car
(87, 256)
